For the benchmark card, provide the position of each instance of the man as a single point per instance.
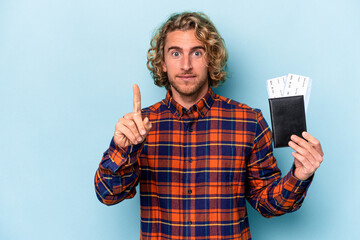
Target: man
(198, 156)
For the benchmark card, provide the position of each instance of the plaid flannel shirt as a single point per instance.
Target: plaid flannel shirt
(196, 168)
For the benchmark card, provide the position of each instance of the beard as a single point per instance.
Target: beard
(188, 90)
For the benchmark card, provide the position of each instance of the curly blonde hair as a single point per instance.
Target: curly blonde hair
(205, 32)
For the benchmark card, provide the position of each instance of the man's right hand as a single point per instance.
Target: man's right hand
(131, 129)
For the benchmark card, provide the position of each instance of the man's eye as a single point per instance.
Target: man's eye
(176, 54)
(197, 53)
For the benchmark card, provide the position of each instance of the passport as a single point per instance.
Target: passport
(287, 118)
(288, 100)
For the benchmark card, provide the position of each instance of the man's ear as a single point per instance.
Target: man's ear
(163, 65)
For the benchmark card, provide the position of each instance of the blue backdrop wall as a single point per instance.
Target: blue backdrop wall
(66, 71)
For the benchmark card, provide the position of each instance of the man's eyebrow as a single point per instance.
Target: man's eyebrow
(179, 48)
(174, 47)
(198, 47)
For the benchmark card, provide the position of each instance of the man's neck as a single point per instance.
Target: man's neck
(188, 101)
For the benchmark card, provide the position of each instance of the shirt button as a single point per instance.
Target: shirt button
(190, 160)
(190, 129)
(189, 222)
(123, 155)
(189, 191)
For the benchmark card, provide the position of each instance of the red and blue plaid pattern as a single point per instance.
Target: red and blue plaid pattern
(196, 168)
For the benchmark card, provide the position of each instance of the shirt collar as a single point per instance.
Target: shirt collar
(198, 110)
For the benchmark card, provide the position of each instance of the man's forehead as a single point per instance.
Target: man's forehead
(182, 39)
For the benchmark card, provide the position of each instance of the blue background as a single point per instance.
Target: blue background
(66, 71)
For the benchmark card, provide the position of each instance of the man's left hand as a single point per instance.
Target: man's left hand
(308, 155)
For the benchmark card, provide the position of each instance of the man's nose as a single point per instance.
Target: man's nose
(186, 63)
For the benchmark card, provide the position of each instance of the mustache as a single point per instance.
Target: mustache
(186, 74)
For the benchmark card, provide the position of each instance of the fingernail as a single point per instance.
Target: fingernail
(139, 139)
(142, 132)
(304, 134)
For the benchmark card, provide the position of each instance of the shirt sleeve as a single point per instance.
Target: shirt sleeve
(118, 174)
(267, 192)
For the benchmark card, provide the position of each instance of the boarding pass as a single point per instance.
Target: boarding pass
(290, 85)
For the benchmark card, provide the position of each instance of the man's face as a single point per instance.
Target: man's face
(186, 64)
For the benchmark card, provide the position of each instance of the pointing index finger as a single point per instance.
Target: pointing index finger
(136, 98)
